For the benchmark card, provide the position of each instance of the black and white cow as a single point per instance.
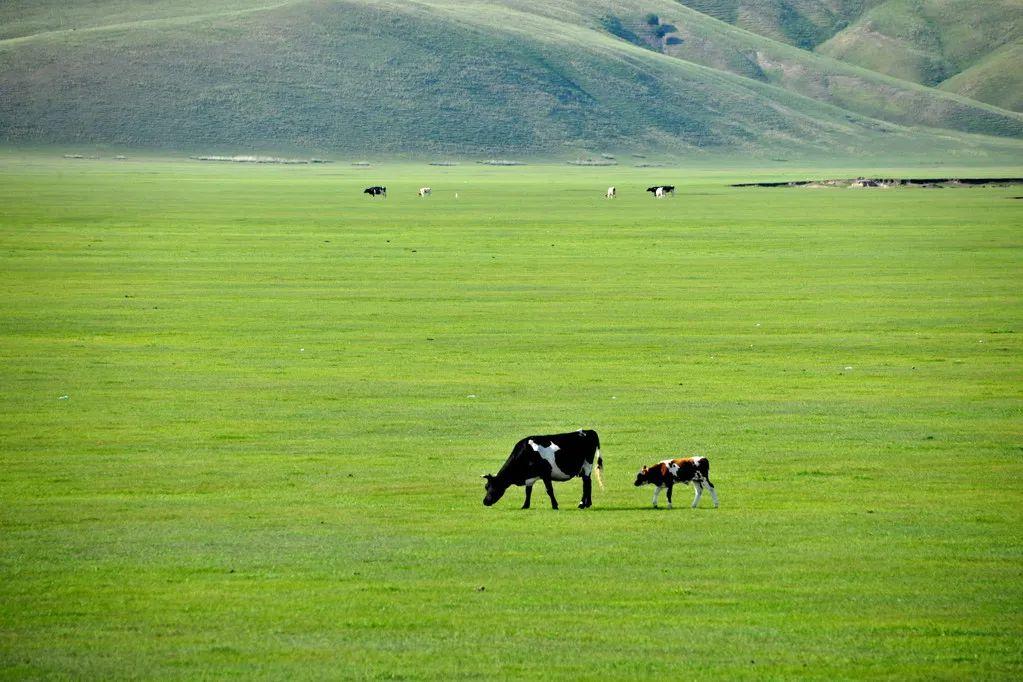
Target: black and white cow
(376, 191)
(560, 457)
(611, 192)
(661, 190)
(682, 470)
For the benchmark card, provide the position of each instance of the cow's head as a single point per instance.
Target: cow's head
(643, 476)
(495, 490)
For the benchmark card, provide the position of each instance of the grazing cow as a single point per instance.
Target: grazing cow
(683, 470)
(376, 191)
(549, 458)
(611, 193)
(425, 191)
(661, 190)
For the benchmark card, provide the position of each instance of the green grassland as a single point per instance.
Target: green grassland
(245, 409)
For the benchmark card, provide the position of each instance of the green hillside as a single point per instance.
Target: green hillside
(802, 23)
(933, 41)
(561, 78)
(700, 39)
(998, 79)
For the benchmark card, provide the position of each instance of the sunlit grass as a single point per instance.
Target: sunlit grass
(245, 410)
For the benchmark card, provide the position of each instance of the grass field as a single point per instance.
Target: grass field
(245, 411)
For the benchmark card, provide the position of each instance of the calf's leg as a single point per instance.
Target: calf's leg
(713, 493)
(698, 485)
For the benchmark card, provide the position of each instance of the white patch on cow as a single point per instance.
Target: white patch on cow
(547, 452)
(659, 192)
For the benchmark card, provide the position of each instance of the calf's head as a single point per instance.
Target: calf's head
(643, 476)
(495, 490)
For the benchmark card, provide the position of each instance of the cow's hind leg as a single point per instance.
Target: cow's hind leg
(587, 492)
(550, 491)
(529, 495)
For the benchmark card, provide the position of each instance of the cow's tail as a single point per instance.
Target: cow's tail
(599, 461)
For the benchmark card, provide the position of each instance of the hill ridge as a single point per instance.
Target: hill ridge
(141, 23)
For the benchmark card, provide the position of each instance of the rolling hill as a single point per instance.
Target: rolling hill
(970, 48)
(561, 78)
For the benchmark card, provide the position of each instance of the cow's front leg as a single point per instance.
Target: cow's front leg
(587, 493)
(529, 494)
(657, 493)
(550, 491)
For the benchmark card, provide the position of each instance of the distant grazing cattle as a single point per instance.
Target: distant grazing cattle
(376, 191)
(611, 193)
(425, 191)
(661, 190)
(549, 458)
(683, 470)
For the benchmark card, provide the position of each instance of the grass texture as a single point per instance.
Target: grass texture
(245, 409)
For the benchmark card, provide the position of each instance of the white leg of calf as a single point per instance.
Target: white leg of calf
(714, 495)
(657, 493)
(699, 493)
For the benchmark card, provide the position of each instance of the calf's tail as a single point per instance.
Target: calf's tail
(600, 470)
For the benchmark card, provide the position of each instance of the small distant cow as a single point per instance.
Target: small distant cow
(683, 470)
(559, 457)
(611, 193)
(376, 191)
(661, 190)
(425, 191)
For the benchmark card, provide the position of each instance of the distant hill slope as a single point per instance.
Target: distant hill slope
(801, 23)
(554, 78)
(969, 47)
(996, 79)
(933, 41)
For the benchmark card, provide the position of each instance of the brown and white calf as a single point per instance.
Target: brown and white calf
(681, 470)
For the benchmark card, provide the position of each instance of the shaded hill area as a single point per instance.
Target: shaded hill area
(557, 78)
(969, 47)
